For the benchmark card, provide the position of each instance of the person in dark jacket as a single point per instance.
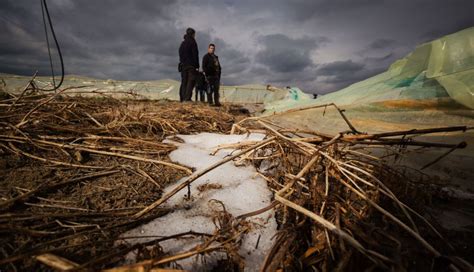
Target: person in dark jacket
(201, 86)
(188, 65)
(212, 68)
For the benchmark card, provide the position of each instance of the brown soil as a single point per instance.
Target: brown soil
(81, 220)
(65, 205)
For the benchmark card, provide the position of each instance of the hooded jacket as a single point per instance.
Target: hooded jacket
(188, 53)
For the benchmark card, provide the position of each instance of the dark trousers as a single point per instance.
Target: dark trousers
(213, 93)
(188, 80)
(200, 93)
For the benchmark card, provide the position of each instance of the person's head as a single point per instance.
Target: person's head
(211, 48)
(190, 32)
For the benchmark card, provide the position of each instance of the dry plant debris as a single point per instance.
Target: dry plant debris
(75, 170)
(78, 172)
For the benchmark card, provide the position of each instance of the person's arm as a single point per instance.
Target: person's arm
(195, 55)
(180, 53)
(205, 64)
(220, 68)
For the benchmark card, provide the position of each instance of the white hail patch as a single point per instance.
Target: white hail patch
(239, 188)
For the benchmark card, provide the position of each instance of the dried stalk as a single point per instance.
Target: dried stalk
(196, 175)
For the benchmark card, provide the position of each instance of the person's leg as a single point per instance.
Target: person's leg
(191, 81)
(184, 83)
(209, 92)
(214, 86)
(216, 92)
(201, 95)
(205, 91)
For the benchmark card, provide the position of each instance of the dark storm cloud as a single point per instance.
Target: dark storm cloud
(340, 74)
(233, 61)
(319, 45)
(283, 54)
(340, 67)
(382, 43)
(97, 38)
(121, 37)
(301, 10)
(381, 62)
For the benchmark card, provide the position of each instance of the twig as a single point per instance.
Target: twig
(442, 156)
(196, 175)
(406, 132)
(331, 227)
(53, 161)
(23, 92)
(45, 186)
(56, 262)
(90, 150)
(24, 119)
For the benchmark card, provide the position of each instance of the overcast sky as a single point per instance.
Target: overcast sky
(319, 46)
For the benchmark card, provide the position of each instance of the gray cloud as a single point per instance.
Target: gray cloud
(382, 43)
(283, 54)
(283, 43)
(340, 67)
(303, 10)
(130, 40)
(339, 74)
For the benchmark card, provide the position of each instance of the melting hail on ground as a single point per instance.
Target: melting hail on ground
(237, 188)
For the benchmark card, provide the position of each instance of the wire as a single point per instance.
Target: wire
(47, 42)
(44, 9)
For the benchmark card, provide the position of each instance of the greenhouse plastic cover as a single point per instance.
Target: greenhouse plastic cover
(431, 87)
(441, 69)
(154, 90)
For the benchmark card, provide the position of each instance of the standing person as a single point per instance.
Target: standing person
(188, 65)
(212, 69)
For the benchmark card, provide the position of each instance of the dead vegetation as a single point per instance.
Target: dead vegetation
(75, 170)
(79, 172)
(336, 201)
